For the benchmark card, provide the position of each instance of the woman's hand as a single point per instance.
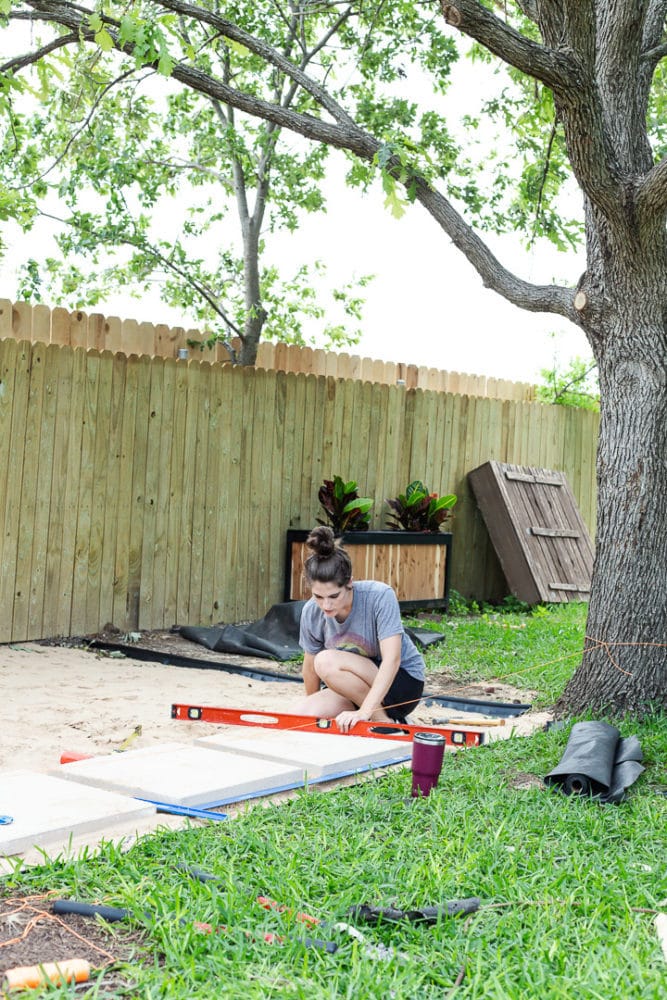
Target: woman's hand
(347, 720)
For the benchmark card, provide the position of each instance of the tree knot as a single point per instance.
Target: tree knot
(451, 14)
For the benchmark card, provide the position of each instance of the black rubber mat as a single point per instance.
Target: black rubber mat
(597, 762)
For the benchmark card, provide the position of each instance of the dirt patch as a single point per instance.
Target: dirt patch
(523, 780)
(31, 934)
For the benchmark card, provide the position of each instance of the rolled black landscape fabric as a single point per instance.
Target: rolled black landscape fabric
(598, 762)
(275, 636)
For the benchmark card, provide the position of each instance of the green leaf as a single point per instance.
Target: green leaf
(104, 40)
(442, 503)
(362, 504)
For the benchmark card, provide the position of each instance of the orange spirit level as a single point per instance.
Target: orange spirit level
(458, 737)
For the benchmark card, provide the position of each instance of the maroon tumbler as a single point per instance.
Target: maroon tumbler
(427, 752)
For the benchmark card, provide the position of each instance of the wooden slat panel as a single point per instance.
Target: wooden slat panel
(121, 617)
(182, 490)
(212, 555)
(537, 531)
(78, 329)
(45, 465)
(529, 477)
(22, 321)
(172, 434)
(199, 418)
(278, 471)
(82, 559)
(257, 538)
(101, 509)
(71, 547)
(5, 318)
(41, 324)
(555, 532)
(163, 401)
(13, 399)
(112, 499)
(28, 483)
(142, 381)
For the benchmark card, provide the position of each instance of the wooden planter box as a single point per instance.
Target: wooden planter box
(415, 564)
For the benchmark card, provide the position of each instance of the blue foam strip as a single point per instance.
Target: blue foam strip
(310, 781)
(177, 810)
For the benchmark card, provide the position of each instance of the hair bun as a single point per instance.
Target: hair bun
(322, 542)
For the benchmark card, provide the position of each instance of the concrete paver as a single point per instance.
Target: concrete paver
(317, 755)
(46, 810)
(181, 774)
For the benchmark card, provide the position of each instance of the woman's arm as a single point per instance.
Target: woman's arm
(311, 681)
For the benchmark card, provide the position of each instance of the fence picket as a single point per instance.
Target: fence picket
(45, 470)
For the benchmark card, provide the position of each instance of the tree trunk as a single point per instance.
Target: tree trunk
(624, 667)
(255, 313)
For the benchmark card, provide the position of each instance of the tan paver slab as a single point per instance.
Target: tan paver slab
(46, 810)
(317, 755)
(181, 774)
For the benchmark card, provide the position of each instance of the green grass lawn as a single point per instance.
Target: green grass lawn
(535, 650)
(568, 887)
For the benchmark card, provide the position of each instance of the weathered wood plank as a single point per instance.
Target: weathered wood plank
(100, 507)
(31, 540)
(121, 617)
(112, 503)
(45, 467)
(140, 368)
(84, 506)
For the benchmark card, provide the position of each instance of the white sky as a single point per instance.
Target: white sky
(426, 306)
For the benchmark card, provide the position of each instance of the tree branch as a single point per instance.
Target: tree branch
(654, 24)
(533, 298)
(529, 8)
(652, 194)
(652, 47)
(267, 52)
(554, 68)
(20, 62)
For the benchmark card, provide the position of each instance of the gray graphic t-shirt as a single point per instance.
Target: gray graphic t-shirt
(375, 615)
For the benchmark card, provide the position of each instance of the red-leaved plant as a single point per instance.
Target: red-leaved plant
(419, 510)
(345, 509)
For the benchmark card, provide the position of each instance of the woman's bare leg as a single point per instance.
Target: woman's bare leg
(348, 678)
(324, 704)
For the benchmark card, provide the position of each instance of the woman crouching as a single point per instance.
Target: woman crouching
(354, 643)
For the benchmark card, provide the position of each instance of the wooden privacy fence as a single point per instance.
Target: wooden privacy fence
(40, 324)
(150, 491)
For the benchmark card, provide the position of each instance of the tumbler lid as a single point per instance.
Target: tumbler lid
(433, 738)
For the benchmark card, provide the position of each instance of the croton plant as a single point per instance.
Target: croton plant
(344, 508)
(418, 509)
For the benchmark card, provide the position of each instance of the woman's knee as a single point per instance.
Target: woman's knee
(327, 663)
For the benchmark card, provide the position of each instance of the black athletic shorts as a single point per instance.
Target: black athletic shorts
(403, 696)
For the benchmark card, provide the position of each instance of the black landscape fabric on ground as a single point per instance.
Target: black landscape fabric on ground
(275, 636)
(597, 762)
